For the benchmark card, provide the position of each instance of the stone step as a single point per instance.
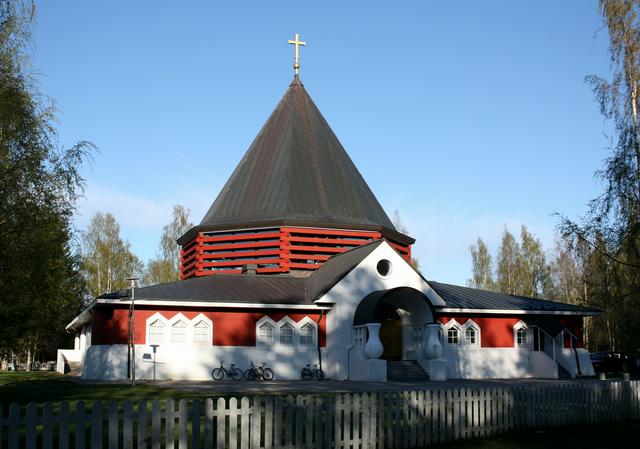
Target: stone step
(75, 368)
(563, 373)
(405, 371)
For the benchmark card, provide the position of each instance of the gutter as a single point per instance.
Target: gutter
(519, 311)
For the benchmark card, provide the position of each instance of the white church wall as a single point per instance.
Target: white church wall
(109, 362)
(347, 294)
(497, 363)
(361, 368)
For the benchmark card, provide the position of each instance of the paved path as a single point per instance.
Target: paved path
(329, 386)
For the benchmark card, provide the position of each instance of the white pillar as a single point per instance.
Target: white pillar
(436, 367)
(433, 348)
(76, 342)
(373, 349)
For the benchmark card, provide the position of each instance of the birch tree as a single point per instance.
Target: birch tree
(481, 267)
(166, 266)
(107, 260)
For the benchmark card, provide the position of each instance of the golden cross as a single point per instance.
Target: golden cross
(297, 43)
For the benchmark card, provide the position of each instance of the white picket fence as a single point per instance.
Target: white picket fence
(367, 420)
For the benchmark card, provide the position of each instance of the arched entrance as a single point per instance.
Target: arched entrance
(402, 313)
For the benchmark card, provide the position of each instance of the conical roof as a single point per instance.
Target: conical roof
(296, 173)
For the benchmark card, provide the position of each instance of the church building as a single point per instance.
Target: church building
(297, 263)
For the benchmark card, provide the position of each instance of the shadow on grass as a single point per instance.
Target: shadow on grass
(601, 436)
(38, 387)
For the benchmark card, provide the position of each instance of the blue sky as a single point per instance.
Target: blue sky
(463, 115)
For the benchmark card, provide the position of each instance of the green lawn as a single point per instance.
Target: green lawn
(24, 387)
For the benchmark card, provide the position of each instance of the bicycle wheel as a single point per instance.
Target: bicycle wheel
(306, 374)
(319, 374)
(217, 374)
(250, 374)
(236, 373)
(267, 374)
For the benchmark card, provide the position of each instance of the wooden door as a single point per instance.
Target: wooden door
(391, 337)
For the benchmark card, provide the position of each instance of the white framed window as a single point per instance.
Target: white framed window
(471, 336)
(265, 333)
(179, 331)
(157, 332)
(201, 333)
(453, 336)
(521, 335)
(286, 334)
(307, 334)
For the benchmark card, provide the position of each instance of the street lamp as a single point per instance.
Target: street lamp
(133, 329)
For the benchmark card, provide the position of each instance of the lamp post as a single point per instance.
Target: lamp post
(133, 329)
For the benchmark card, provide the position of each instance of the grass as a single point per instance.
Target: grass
(593, 436)
(24, 387)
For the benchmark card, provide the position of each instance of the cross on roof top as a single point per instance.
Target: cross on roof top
(297, 42)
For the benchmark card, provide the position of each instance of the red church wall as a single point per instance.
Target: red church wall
(495, 331)
(230, 327)
(575, 325)
(272, 250)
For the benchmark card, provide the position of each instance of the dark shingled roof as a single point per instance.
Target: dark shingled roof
(287, 289)
(250, 288)
(296, 172)
(472, 298)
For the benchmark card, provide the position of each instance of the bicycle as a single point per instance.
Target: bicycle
(258, 372)
(309, 373)
(232, 372)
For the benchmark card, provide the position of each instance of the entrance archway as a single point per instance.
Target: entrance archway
(402, 313)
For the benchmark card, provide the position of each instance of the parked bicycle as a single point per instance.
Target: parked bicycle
(222, 371)
(258, 372)
(309, 373)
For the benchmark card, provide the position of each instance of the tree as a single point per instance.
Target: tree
(400, 227)
(40, 289)
(611, 226)
(508, 264)
(166, 266)
(482, 267)
(107, 260)
(533, 272)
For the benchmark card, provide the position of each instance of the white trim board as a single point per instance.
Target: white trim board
(84, 316)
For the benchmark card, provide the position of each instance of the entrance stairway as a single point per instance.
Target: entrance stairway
(73, 368)
(405, 371)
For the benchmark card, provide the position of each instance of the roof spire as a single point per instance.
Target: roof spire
(297, 42)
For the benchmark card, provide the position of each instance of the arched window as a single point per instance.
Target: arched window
(286, 334)
(201, 333)
(156, 332)
(307, 333)
(179, 332)
(453, 336)
(265, 334)
(522, 337)
(471, 336)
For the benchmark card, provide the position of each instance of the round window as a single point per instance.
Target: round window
(384, 268)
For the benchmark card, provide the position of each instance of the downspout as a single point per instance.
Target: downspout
(318, 339)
